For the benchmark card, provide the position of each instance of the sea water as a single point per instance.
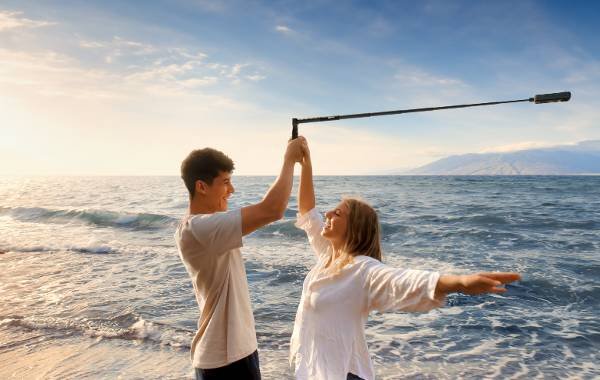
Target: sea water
(91, 285)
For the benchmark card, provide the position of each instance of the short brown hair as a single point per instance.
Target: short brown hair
(204, 165)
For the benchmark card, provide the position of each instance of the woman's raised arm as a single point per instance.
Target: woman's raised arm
(306, 191)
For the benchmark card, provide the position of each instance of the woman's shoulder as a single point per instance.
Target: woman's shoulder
(366, 262)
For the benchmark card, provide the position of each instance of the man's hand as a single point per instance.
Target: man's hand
(274, 204)
(473, 284)
(294, 152)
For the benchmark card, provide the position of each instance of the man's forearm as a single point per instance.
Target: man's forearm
(278, 195)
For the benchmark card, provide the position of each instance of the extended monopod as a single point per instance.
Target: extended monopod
(537, 99)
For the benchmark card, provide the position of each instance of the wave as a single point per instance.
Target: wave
(283, 228)
(141, 330)
(103, 218)
(533, 222)
(548, 291)
(91, 249)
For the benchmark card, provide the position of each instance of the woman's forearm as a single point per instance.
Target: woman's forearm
(447, 284)
(473, 284)
(306, 192)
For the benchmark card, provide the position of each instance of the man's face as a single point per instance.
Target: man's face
(217, 194)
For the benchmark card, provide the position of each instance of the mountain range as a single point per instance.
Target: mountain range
(581, 158)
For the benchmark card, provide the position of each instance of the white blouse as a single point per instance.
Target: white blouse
(328, 340)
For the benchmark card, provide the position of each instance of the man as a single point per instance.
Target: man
(208, 240)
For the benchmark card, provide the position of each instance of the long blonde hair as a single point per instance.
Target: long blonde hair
(363, 236)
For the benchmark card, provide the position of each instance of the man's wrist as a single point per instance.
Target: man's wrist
(288, 161)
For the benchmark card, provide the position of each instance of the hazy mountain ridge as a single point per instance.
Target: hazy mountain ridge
(582, 158)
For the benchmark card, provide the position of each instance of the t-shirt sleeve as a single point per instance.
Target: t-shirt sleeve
(218, 232)
(312, 223)
(391, 288)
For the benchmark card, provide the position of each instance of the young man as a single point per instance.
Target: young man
(208, 239)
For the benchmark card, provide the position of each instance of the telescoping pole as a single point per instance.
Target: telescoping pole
(537, 99)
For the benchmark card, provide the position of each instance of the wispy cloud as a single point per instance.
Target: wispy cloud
(523, 145)
(15, 20)
(413, 76)
(581, 72)
(255, 77)
(54, 74)
(284, 29)
(118, 46)
(164, 70)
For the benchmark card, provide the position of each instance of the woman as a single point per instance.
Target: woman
(349, 281)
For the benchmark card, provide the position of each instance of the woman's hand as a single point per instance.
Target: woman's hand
(305, 153)
(474, 284)
(488, 282)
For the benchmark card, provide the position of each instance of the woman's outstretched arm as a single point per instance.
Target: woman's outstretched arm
(473, 284)
(306, 192)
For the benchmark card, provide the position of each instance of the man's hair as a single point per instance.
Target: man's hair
(205, 165)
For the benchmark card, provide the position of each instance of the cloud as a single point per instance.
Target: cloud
(517, 146)
(13, 20)
(235, 70)
(118, 47)
(582, 72)
(283, 29)
(255, 78)
(133, 47)
(418, 77)
(198, 82)
(86, 120)
(172, 69)
(171, 72)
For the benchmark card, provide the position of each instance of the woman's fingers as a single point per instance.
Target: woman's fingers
(503, 277)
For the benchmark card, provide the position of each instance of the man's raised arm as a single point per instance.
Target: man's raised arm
(273, 205)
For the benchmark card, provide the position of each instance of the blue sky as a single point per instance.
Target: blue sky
(115, 87)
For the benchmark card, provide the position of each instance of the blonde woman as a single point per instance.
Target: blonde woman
(349, 281)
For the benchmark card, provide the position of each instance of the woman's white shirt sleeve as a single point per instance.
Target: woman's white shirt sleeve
(390, 288)
(312, 222)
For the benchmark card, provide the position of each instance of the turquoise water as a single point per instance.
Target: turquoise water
(91, 285)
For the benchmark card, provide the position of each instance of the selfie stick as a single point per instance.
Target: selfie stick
(537, 99)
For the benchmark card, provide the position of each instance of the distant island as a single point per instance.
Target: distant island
(582, 158)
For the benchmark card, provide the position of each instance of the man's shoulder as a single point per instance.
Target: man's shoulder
(218, 230)
(215, 215)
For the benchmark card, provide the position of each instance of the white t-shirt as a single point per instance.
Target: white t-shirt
(328, 341)
(209, 248)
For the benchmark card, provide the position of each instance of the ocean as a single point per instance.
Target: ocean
(91, 285)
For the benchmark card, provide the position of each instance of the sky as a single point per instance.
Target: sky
(131, 87)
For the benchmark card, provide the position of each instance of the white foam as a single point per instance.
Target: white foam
(162, 334)
(146, 330)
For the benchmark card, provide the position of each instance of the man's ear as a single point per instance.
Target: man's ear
(201, 187)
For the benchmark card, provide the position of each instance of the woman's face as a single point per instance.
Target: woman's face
(336, 223)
